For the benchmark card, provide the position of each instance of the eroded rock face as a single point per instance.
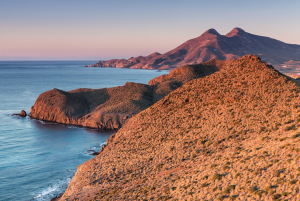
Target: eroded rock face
(110, 108)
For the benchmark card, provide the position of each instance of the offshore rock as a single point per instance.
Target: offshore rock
(22, 114)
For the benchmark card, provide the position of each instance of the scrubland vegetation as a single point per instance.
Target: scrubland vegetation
(232, 135)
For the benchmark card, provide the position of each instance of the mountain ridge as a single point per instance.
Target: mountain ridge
(231, 135)
(212, 45)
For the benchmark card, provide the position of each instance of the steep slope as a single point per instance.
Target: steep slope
(212, 45)
(106, 108)
(231, 134)
(110, 108)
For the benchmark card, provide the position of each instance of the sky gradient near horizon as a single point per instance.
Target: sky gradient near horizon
(97, 29)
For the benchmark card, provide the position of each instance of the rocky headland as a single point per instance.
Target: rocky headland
(230, 135)
(110, 108)
(212, 45)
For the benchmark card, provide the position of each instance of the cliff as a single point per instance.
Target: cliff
(229, 135)
(212, 45)
(110, 108)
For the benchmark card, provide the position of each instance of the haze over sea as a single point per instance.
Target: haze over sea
(38, 159)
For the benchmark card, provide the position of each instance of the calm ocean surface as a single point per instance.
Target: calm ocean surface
(37, 159)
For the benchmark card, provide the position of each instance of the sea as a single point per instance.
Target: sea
(38, 159)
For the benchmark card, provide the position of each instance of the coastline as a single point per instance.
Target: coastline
(56, 198)
(111, 108)
(68, 143)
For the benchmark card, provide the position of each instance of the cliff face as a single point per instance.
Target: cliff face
(110, 108)
(212, 45)
(96, 108)
(231, 134)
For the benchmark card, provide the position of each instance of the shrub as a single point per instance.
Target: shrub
(295, 135)
(213, 165)
(294, 181)
(252, 189)
(217, 176)
(159, 166)
(277, 173)
(285, 193)
(204, 185)
(229, 188)
(291, 127)
(233, 197)
(276, 196)
(222, 197)
(289, 121)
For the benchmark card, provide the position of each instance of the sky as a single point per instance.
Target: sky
(98, 29)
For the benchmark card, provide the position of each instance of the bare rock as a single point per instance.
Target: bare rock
(21, 114)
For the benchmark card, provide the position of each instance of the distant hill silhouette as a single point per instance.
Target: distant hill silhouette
(212, 45)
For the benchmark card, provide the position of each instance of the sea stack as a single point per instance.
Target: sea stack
(21, 114)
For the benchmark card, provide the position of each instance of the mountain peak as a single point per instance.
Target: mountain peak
(235, 32)
(209, 34)
(211, 31)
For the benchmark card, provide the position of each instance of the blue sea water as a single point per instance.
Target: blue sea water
(38, 159)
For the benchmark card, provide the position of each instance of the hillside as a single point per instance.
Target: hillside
(231, 135)
(212, 45)
(110, 108)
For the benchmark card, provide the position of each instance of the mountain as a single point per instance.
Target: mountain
(233, 134)
(212, 45)
(110, 108)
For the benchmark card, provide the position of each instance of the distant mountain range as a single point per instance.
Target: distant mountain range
(212, 45)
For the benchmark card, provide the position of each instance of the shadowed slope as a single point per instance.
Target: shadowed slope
(227, 135)
(107, 108)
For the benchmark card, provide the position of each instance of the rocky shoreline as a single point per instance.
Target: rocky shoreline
(111, 108)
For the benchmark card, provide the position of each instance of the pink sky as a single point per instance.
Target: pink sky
(101, 30)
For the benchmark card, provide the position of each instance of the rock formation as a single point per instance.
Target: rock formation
(22, 114)
(110, 108)
(230, 135)
(212, 45)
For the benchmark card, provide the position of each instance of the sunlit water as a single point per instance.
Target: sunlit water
(37, 159)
